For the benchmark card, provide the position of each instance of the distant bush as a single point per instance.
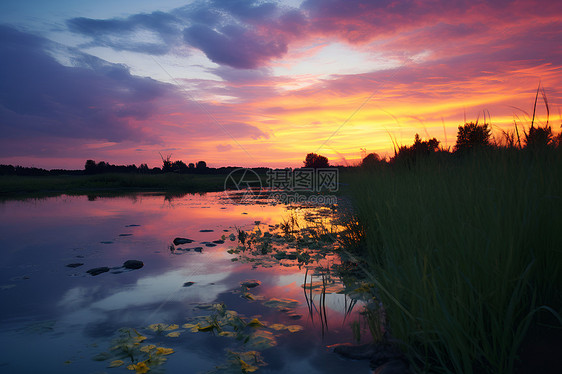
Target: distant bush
(472, 135)
(420, 149)
(313, 160)
(372, 160)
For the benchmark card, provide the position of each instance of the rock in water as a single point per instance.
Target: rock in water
(98, 271)
(75, 265)
(133, 264)
(179, 241)
(250, 283)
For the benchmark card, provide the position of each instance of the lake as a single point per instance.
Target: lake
(186, 309)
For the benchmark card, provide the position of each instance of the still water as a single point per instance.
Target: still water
(184, 311)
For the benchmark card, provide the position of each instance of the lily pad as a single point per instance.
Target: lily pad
(139, 368)
(261, 339)
(281, 303)
(256, 323)
(159, 327)
(116, 363)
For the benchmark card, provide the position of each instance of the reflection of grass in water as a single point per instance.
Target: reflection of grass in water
(466, 255)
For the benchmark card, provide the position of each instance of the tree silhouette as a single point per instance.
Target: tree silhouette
(90, 167)
(371, 160)
(472, 135)
(313, 160)
(201, 165)
(166, 163)
(179, 165)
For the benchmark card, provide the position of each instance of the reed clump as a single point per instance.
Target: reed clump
(467, 253)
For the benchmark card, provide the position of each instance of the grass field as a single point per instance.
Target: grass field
(466, 254)
(41, 186)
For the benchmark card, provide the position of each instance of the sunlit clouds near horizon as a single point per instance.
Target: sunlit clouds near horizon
(263, 83)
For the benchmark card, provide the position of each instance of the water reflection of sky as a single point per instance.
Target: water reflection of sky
(62, 316)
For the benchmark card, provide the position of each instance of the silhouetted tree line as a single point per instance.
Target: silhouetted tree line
(33, 171)
(180, 167)
(91, 167)
(471, 137)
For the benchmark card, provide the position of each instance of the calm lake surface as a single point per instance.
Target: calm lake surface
(60, 319)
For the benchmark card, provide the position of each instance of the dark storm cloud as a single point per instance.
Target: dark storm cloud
(95, 100)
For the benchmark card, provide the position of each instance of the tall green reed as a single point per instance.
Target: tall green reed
(466, 253)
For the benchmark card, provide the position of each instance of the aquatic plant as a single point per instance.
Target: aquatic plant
(128, 348)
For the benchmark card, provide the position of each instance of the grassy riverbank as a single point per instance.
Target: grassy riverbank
(42, 186)
(466, 254)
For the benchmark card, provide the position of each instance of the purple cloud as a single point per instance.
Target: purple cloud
(235, 46)
(119, 33)
(94, 100)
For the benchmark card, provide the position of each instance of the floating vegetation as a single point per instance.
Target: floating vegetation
(116, 363)
(128, 348)
(161, 327)
(299, 240)
(304, 239)
(241, 362)
(281, 304)
(290, 328)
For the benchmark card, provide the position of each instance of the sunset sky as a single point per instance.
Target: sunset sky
(263, 83)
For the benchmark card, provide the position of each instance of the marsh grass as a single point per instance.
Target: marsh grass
(21, 186)
(467, 254)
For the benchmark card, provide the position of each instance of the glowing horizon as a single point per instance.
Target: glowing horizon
(260, 83)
